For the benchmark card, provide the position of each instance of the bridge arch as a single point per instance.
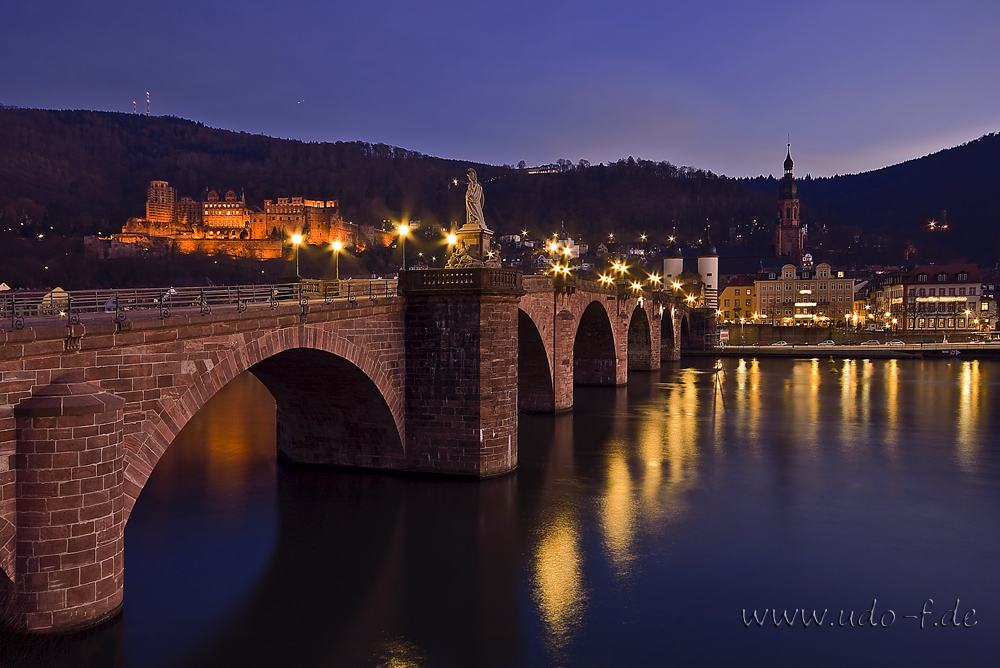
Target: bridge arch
(595, 361)
(535, 389)
(334, 370)
(640, 340)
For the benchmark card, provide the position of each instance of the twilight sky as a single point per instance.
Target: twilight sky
(716, 84)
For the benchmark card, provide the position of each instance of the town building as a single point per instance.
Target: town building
(737, 302)
(803, 295)
(941, 298)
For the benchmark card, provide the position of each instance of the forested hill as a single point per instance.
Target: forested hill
(898, 202)
(82, 172)
(72, 173)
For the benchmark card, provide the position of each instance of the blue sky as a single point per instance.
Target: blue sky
(714, 84)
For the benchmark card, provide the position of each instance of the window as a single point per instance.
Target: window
(912, 291)
(961, 322)
(951, 291)
(922, 278)
(923, 292)
(962, 276)
(951, 322)
(748, 302)
(972, 291)
(984, 306)
(933, 291)
(942, 277)
(920, 323)
(737, 292)
(961, 291)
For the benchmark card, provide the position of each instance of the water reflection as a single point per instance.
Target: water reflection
(629, 523)
(969, 384)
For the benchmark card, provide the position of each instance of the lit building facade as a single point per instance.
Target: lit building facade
(738, 301)
(942, 299)
(804, 295)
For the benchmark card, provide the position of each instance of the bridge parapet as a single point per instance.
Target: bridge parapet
(485, 280)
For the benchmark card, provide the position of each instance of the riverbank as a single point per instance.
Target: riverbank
(989, 350)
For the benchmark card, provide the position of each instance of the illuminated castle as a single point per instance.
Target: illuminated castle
(227, 225)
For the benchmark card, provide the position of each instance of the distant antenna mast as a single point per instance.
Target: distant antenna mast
(147, 103)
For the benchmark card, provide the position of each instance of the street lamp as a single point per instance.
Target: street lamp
(296, 240)
(336, 254)
(403, 230)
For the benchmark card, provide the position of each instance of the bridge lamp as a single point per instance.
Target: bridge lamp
(403, 230)
(675, 285)
(637, 286)
(452, 239)
(606, 280)
(654, 279)
(336, 245)
(553, 247)
(296, 240)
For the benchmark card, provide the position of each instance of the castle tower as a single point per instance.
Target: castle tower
(673, 266)
(708, 268)
(160, 203)
(788, 231)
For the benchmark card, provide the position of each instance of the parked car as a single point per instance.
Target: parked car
(871, 342)
(804, 343)
(897, 342)
(780, 343)
(828, 342)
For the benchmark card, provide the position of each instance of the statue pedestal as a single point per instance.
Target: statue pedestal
(478, 241)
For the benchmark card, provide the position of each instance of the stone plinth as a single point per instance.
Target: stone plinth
(70, 506)
(461, 329)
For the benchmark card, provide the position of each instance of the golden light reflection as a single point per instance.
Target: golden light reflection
(559, 591)
(618, 513)
(892, 403)
(968, 415)
(399, 653)
(226, 440)
(748, 385)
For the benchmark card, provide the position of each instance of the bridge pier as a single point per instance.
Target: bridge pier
(69, 472)
(461, 329)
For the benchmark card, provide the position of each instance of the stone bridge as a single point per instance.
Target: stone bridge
(427, 380)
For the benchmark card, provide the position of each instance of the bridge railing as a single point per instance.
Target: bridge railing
(22, 307)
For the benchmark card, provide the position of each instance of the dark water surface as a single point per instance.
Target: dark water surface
(636, 531)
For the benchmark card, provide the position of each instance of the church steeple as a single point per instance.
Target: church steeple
(788, 231)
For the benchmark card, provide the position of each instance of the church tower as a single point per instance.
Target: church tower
(788, 231)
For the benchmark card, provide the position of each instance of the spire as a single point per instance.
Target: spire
(788, 161)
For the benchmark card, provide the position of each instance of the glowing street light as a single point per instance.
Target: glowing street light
(452, 239)
(606, 280)
(336, 245)
(403, 230)
(296, 240)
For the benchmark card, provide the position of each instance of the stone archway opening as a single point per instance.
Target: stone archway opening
(328, 410)
(535, 390)
(667, 341)
(594, 359)
(685, 333)
(640, 346)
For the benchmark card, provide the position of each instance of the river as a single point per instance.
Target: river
(647, 527)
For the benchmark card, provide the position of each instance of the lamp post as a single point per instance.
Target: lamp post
(296, 240)
(336, 254)
(403, 229)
